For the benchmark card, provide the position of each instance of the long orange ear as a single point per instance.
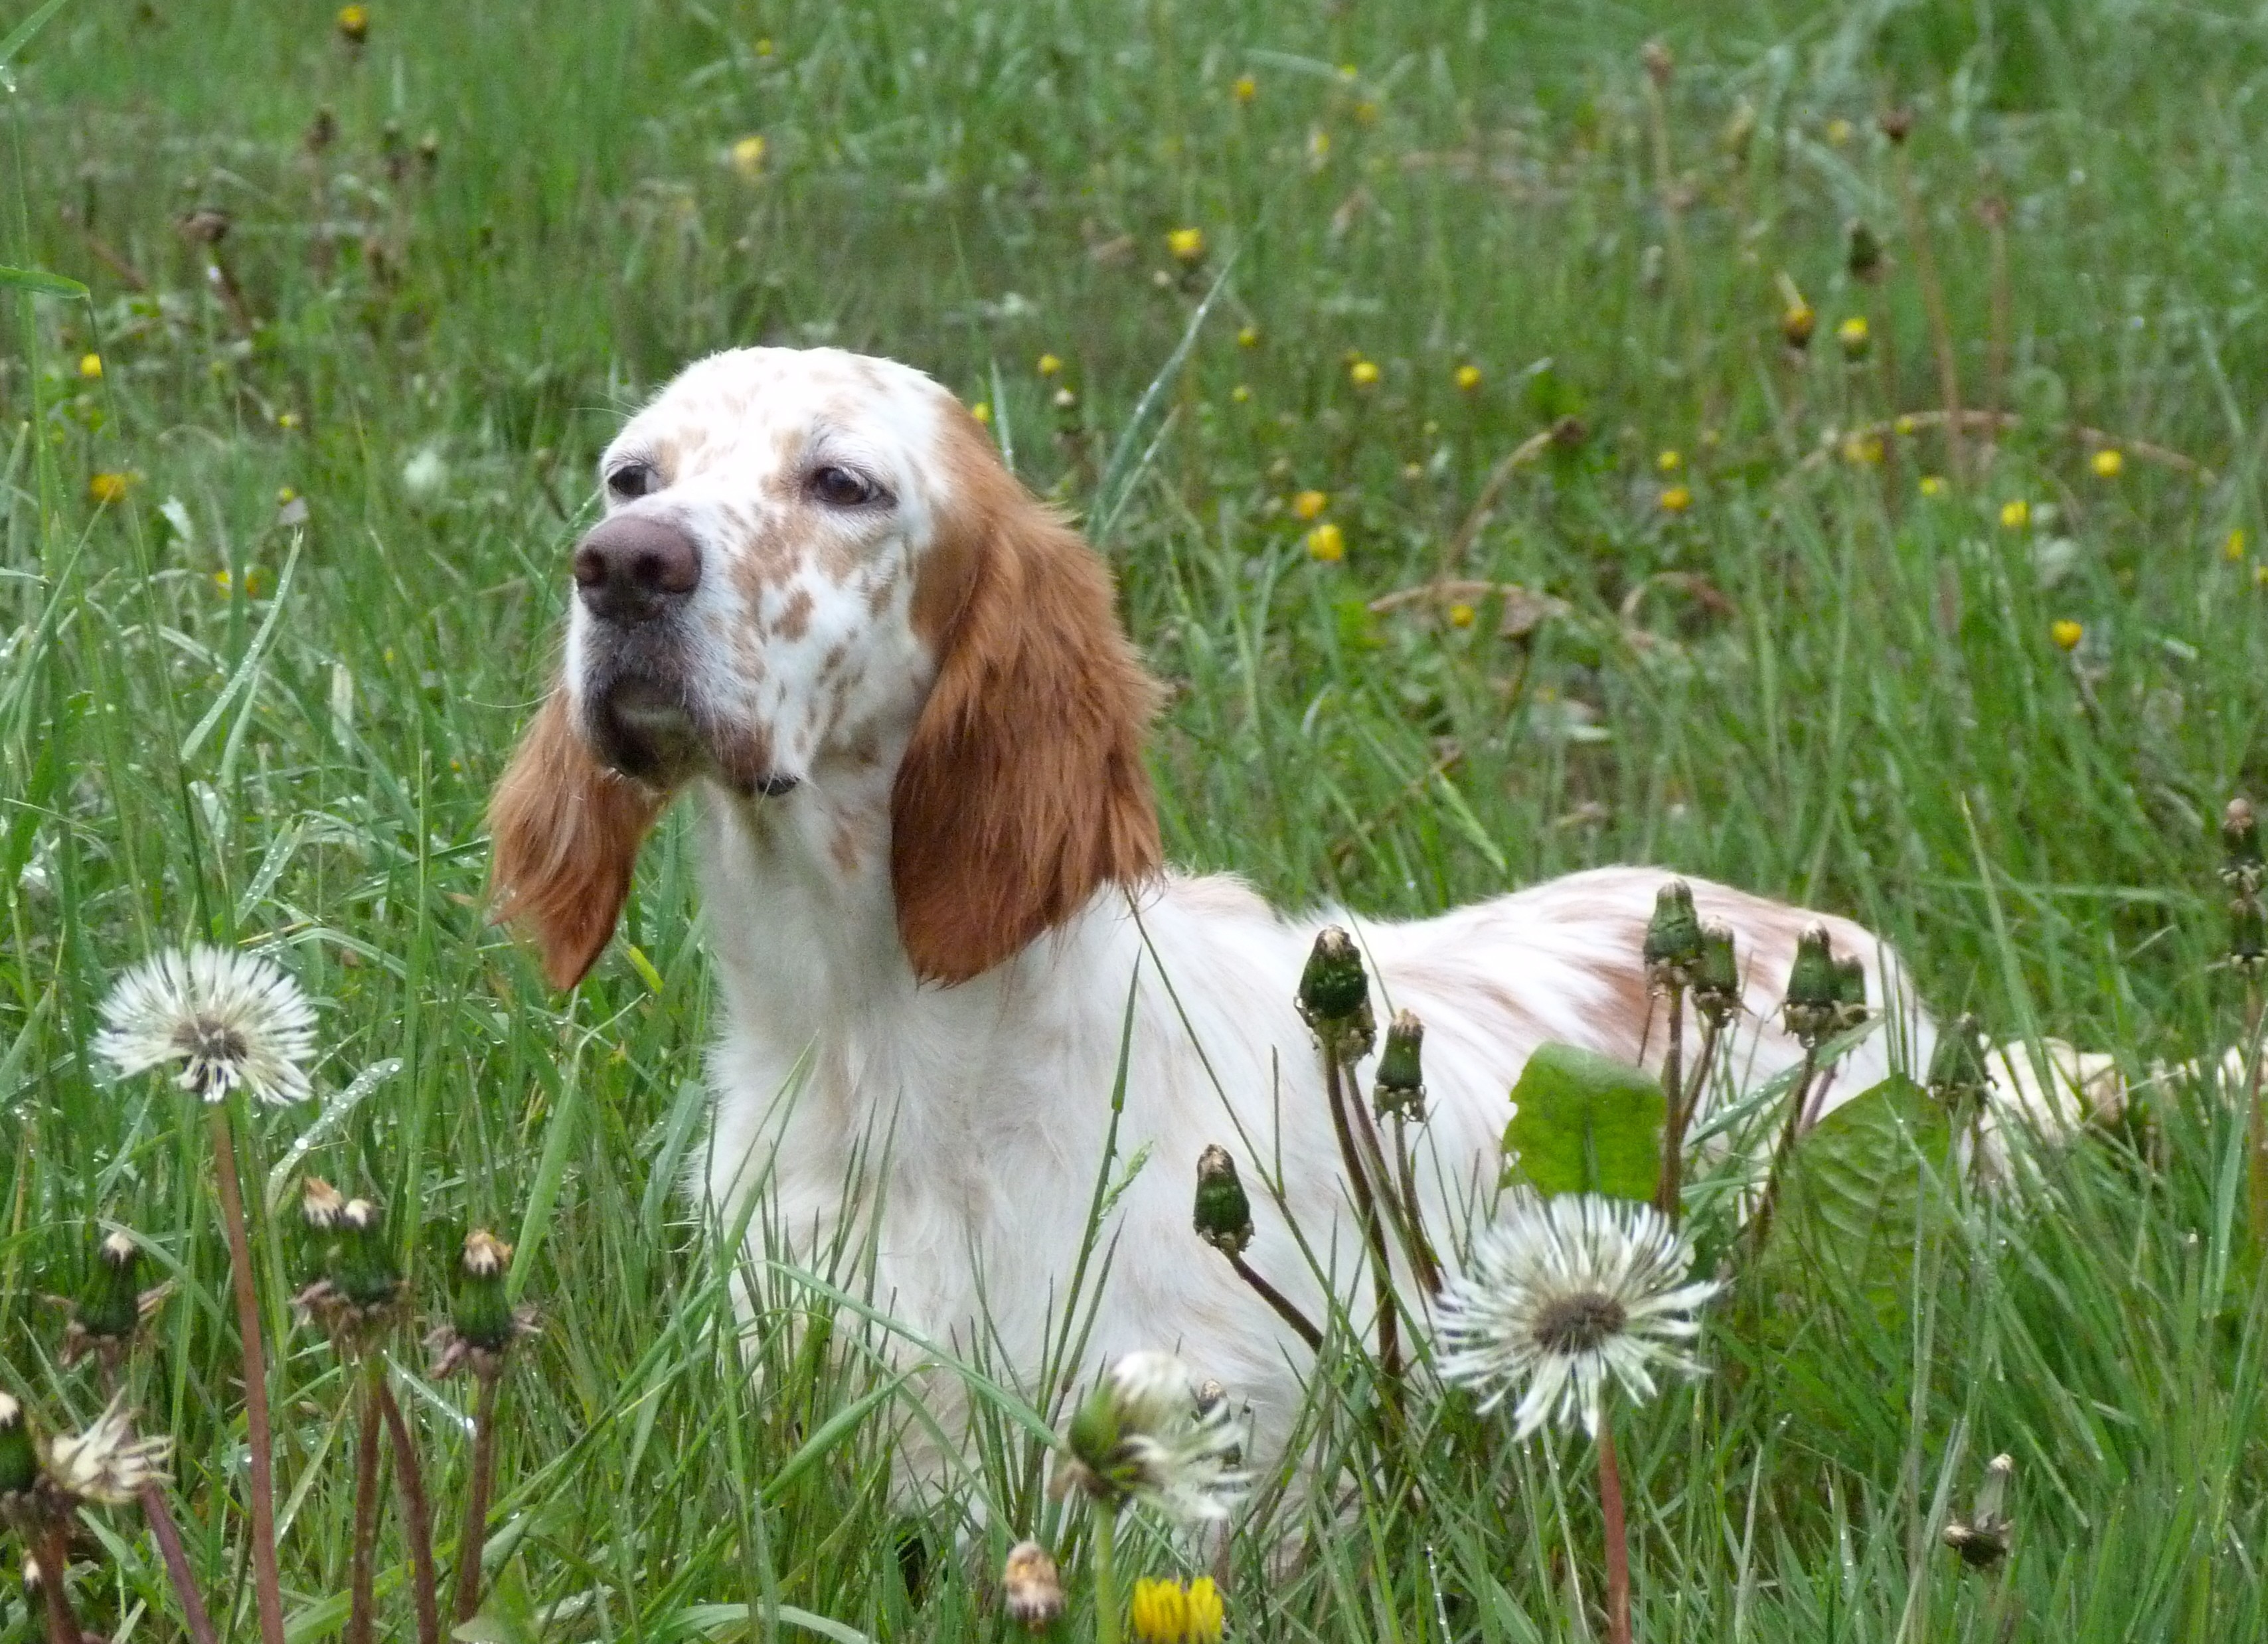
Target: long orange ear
(566, 832)
(1023, 790)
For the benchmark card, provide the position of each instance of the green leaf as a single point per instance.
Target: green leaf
(1861, 1187)
(1584, 1123)
(40, 282)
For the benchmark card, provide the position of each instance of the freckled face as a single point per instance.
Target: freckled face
(746, 607)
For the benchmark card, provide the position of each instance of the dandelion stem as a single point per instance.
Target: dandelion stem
(267, 1589)
(1106, 1576)
(1610, 1509)
(1670, 1188)
(2256, 1121)
(158, 1512)
(1760, 1226)
(416, 1517)
(1285, 1308)
(55, 1560)
(1389, 1331)
(473, 1536)
(1422, 1256)
(362, 1560)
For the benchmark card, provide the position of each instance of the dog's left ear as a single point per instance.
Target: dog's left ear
(1023, 790)
(566, 832)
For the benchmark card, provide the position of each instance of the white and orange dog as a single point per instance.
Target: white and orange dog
(897, 687)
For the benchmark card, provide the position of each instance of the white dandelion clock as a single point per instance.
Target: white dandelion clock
(1144, 1435)
(1561, 1296)
(106, 1463)
(232, 1020)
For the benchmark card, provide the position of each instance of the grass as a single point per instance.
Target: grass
(1814, 681)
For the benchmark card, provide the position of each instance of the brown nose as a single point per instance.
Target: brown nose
(631, 568)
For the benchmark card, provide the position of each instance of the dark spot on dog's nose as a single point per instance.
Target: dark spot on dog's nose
(631, 568)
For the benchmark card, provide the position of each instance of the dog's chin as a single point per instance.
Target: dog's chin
(643, 730)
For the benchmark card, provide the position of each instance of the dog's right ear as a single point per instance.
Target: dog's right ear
(566, 832)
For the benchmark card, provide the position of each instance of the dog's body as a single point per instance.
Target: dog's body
(938, 910)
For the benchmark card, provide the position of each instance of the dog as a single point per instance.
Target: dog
(945, 934)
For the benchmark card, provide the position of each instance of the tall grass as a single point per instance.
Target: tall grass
(234, 714)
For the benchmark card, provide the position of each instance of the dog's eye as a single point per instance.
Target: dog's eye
(840, 488)
(633, 480)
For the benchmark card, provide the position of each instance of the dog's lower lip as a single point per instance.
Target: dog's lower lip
(772, 788)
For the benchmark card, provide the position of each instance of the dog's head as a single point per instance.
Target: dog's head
(811, 561)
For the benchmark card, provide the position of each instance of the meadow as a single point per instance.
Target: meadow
(1816, 447)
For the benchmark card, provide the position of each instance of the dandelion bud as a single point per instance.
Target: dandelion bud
(1862, 253)
(1717, 979)
(1334, 994)
(2241, 868)
(1982, 1541)
(1797, 321)
(20, 1457)
(1957, 1075)
(1223, 1214)
(1856, 339)
(1033, 1588)
(2248, 934)
(106, 1463)
(320, 1204)
(110, 1306)
(1399, 1088)
(365, 1275)
(1850, 991)
(1673, 936)
(483, 1315)
(1811, 993)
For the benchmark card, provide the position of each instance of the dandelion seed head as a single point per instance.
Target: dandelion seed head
(232, 1020)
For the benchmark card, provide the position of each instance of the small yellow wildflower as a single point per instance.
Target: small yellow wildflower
(1839, 132)
(1248, 336)
(1797, 321)
(1413, 471)
(1904, 424)
(1461, 615)
(287, 420)
(1239, 394)
(2260, 576)
(1932, 485)
(1309, 504)
(2107, 463)
(1166, 1612)
(353, 23)
(1319, 146)
(1677, 499)
(1670, 461)
(1366, 113)
(1863, 450)
(103, 490)
(2016, 514)
(1328, 543)
(748, 156)
(286, 495)
(1362, 373)
(763, 49)
(1469, 378)
(2232, 548)
(1246, 88)
(1854, 336)
(1049, 364)
(2067, 634)
(983, 412)
(90, 365)
(1186, 244)
(1349, 72)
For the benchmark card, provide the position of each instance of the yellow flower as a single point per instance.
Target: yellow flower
(2233, 549)
(1854, 336)
(1246, 88)
(2260, 576)
(1328, 543)
(103, 490)
(1669, 461)
(748, 156)
(1248, 336)
(2016, 514)
(1461, 615)
(2067, 634)
(1932, 485)
(1839, 132)
(1186, 244)
(763, 49)
(1049, 364)
(1363, 374)
(1863, 450)
(1469, 378)
(284, 494)
(983, 412)
(1206, 1618)
(1366, 113)
(1319, 146)
(90, 364)
(1239, 394)
(1677, 499)
(2107, 463)
(1903, 424)
(354, 22)
(287, 420)
(1797, 321)
(1166, 1612)
(1348, 71)
(1309, 504)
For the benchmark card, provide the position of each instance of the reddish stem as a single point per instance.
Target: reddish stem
(362, 1567)
(1610, 1507)
(268, 1588)
(417, 1518)
(474, 1534)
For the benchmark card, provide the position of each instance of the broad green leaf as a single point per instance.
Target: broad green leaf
(41, 282)
(1584, 1123)
(1863, 1184)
